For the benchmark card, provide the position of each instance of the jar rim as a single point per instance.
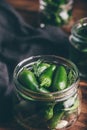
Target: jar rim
(27, 92)
(77, 25)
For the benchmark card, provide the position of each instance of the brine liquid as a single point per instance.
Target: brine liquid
(29, 114)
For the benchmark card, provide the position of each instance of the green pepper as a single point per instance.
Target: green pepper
(46, 77)
(48, 111)
(27, 79)
(39, 67)
(52, 123)
(60, 79)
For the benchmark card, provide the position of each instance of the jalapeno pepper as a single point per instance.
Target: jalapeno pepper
(55, 119)
(60, 79)
(27, 79)
(48, 111)
(39, 67)
(46, 77)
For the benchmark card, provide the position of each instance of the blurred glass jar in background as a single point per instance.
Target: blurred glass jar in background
(78, 46)
(55, 12)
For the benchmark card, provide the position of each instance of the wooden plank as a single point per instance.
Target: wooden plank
(29, 5)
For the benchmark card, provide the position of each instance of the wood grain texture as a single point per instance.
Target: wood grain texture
(79, 9)
(29, 5)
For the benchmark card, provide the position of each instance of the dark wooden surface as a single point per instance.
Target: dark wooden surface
(29, 11)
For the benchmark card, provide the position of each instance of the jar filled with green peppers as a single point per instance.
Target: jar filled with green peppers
(55, 12)
(46, 93)
(78, 46)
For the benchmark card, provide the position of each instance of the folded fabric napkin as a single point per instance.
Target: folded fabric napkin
(19, 40)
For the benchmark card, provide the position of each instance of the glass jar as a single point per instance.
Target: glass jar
(55, 12)
(63, 106)
(78, 46)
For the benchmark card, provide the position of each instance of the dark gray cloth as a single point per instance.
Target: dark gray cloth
(18, 40)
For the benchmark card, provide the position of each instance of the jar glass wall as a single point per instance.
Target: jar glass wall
(55, 12)
(47, 111)
(78, 46)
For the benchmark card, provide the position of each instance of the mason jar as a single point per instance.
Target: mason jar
(46, 111)
(55, 12)
(78, 46)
